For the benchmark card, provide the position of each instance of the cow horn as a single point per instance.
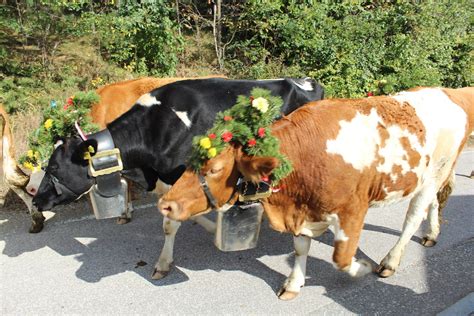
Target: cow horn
(79, 130)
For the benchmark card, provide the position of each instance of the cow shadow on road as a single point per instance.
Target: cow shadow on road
(105, 249)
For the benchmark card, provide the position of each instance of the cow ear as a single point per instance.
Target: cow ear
(254, 168)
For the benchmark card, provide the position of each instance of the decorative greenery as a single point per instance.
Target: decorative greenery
(248, 122)
(58, 122)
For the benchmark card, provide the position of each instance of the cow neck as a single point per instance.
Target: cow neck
(128, 143)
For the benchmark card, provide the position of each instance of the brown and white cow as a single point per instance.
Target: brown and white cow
(348, 155)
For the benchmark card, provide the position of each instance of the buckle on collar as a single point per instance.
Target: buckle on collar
(106, 153)
(249, 191)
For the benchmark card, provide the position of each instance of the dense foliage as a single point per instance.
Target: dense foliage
(354, 47)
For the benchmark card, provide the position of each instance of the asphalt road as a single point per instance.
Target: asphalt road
(79, 265)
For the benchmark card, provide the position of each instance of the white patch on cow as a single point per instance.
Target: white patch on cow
(183, 116)
(313, 229)
(445, 124)
(339, 234)
(395, 154)
(358, 268)
(358, 151)
(58, 143)
(147, 100)
(307, 85)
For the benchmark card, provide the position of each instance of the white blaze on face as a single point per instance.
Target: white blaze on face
(183, 116)
(357, 140)
(147, 100)
(35, 181)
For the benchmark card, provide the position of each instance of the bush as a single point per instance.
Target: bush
(358, 46)
(140, 37)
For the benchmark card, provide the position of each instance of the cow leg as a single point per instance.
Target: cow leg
(37, 217)
(208, 225)
(433, 225)
(347, 230)
(295, 281)
(162, 266)
(415, 215)
(126, 216)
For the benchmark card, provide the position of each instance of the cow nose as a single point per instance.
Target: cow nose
(168, 208)
(31, 191)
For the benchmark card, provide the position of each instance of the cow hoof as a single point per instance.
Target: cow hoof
(38, 223)
(123, 220)
(36, 228)
(428, 242)
(158, 275)
(285, 295)
(384, 272)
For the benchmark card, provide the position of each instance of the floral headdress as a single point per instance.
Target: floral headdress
(248, 123)
(58, 122)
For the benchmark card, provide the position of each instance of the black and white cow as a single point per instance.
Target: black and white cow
(155, 135)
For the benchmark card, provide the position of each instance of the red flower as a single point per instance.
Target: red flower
(265, 178)
(370, 94)
(227, 136)
(65, 107)
(70, 101)
(261, 132)
(227, 118)
(212, 136)
(252, 142)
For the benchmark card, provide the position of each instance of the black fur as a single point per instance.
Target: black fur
(154, 142)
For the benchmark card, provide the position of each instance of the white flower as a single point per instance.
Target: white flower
(260, 104)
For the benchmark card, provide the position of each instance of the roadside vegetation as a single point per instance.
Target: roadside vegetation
(49, 50)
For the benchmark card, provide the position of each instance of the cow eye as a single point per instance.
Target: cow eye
(215, 171)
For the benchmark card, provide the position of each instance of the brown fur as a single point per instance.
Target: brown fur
(321, 183)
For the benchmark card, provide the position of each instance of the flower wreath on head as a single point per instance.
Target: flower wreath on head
(248, 122)
(58, 122)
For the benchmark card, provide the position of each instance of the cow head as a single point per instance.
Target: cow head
(187, 198)
(66, 178)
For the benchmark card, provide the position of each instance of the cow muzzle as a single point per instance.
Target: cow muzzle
(171, 209)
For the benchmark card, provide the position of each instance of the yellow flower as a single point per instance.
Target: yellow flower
(37, 155)
(212, 152)
(205, 143)
(48, 124)
(28, 165)
(260, 104)
(36, 168)
(29, 153)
